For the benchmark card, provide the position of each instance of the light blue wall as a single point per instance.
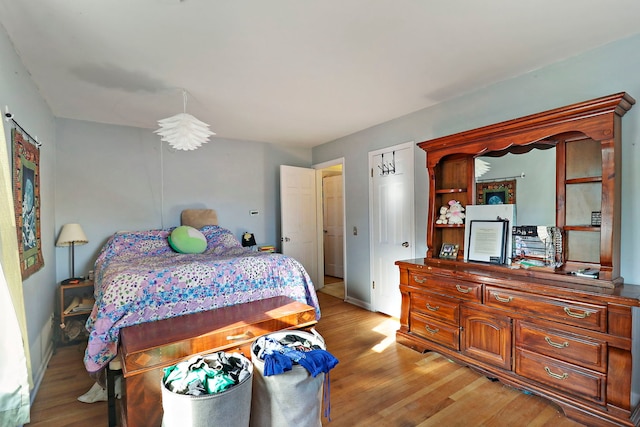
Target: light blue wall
(536, 191)
(19, 93)
(109, 178)
(609, 69)
(112, 178)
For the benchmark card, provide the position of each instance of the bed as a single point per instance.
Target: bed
(140, 278)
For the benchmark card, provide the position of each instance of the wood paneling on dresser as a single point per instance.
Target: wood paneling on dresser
(571, 339)
(573, 344)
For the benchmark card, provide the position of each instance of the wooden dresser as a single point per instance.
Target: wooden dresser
(574, 340)
(573, 344)
(147, 348)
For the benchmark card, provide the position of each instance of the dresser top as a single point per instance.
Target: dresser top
(545, 282)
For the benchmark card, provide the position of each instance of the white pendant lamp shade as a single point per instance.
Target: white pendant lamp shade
(481, 167)
(183, 131)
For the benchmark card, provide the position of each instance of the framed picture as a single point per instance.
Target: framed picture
(496, 193)
(489, 213)
(449, 251)
(488, 241)
(26, 195)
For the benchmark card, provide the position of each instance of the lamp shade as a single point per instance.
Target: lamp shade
(72, 234)
(183, 131)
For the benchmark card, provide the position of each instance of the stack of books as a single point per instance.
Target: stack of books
(80, 304)
(268, 248)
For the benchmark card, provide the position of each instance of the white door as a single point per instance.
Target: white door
(298, 216)
(392, 233)
(333, 227)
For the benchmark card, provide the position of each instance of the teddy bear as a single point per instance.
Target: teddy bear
(442, 219)
(455, 214)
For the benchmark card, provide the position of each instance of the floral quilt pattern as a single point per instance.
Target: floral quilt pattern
(139, 278)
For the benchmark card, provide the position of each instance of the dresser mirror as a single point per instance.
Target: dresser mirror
(535, 175)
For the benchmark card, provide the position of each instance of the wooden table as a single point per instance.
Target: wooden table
(147, 348)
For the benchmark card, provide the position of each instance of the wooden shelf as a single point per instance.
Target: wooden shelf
(590, 228)
(451, 190)
(66, 294)
(587, 180)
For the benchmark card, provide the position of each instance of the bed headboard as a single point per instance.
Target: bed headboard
(198, 218)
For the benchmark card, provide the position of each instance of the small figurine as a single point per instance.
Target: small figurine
(442, 219)
(455, 214)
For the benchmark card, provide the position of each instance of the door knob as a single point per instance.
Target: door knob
(285, 239)
(405, 245)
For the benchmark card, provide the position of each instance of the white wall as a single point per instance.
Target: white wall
(609, 69)
(19, 93)
(112, 178)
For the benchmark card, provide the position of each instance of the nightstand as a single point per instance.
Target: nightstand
(75, 302)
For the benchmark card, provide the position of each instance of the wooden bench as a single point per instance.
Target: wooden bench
(147, 348)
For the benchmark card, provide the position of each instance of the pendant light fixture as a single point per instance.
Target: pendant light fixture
(183, 131)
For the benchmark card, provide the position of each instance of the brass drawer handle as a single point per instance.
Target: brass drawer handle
(577, 315)
(502, 299)
(432, 331)
(432, 308)
(463, 290)
(419, 279)
(556, 345)
(562, 376)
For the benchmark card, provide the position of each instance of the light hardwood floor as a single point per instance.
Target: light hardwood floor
(376, 383)
(333, 286)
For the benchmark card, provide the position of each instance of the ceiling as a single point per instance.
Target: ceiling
(294, 72)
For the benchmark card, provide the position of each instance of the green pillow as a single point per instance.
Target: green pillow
(187, 240)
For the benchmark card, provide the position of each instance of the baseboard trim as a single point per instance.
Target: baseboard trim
(37, 381)
(358, 303)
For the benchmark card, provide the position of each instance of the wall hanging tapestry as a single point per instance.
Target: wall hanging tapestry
(496, 193)
(26, 194)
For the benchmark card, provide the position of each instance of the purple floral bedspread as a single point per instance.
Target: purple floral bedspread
(139, 278)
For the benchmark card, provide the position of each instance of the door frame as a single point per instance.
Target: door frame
(412, 233)
(320, 221)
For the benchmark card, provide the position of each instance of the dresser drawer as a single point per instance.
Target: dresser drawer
(443, 308)
(562, 376)
(467, 291)
(562, 345)
(435, 330)
(574, 313)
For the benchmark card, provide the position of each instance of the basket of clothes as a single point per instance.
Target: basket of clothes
(208, 390)
(291, 379)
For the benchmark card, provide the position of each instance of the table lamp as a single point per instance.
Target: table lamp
(72, 235)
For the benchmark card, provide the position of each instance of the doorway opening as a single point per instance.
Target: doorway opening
(331, 229)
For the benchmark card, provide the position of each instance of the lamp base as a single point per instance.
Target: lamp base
(72, 281)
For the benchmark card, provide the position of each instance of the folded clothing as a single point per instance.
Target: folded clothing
(279, 355)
